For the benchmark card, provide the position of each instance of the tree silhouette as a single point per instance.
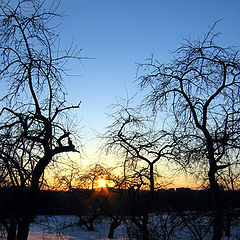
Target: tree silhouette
(33, 118)
(135, 137)
(201, 87)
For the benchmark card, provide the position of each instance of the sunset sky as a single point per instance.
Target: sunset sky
(120, 33)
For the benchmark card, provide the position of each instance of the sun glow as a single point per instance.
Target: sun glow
(101, 183)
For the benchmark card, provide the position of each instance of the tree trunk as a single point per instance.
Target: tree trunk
(215, 190)
(116, 222)
(151, 181)
(11, 231)
(111, 231)
(218, 211)
(145, 227)
(90, 227)
(23, 230)
(218, 226)
(142, 224)
(27, 215)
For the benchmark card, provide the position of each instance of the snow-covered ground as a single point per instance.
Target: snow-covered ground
(64, 227)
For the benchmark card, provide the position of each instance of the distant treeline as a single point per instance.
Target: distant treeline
(116, 202)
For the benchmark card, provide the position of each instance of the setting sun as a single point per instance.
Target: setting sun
(101, 183)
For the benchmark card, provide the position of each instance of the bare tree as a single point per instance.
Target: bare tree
(66, 175)
(201, 87)
(95, 172)
(33, 120)
(133, 135)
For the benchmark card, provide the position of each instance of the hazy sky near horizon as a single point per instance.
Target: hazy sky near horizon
(120, 33)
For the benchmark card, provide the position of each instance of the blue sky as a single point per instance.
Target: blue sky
(120, 33)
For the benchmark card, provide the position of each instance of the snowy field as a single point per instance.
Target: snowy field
(65, 228)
